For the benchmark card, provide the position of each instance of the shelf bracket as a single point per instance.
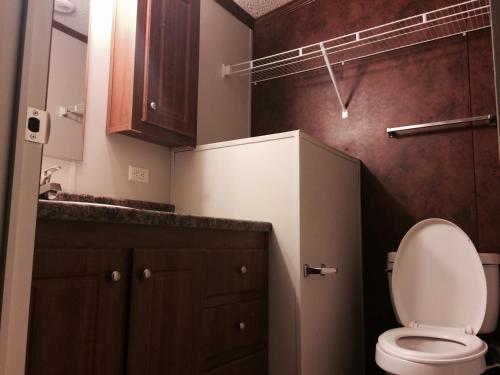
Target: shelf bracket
(332, 76)
(226, 70)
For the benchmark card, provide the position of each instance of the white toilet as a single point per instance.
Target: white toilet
(444, 294)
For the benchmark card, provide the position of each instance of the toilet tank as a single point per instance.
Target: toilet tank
(491, 263)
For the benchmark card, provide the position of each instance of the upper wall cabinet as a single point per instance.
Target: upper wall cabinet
(154, 71)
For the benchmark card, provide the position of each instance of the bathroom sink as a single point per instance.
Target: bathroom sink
(107, 201)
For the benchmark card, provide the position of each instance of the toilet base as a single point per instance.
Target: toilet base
(397, 366)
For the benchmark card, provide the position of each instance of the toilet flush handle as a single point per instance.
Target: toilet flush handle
(323, 270)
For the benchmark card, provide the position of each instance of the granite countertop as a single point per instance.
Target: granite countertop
(87, 198)
(106, 213)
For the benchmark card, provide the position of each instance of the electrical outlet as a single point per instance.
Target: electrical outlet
(138, 174)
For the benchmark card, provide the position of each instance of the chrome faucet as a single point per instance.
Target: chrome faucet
(49, 189)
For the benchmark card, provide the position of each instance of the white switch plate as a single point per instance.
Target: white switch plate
(138, 174)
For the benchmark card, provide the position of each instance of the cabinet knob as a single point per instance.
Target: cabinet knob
(242, 326)
(243, 270)
(154, 106)
(115, 276)
(146, 274)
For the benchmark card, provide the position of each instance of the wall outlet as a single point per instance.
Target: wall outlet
(138, 174)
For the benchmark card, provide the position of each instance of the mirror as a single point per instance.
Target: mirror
(67, 72)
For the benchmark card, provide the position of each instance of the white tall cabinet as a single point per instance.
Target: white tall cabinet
(311, 194)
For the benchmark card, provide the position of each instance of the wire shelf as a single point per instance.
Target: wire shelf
(438, 24)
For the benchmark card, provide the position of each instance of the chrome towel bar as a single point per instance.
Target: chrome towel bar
(393, 131)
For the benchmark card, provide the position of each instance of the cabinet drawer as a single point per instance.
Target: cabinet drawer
(235, 271)
(234, 328)
(252, 365)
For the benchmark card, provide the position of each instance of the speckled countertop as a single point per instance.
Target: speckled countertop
(104, 213)
(87, 198)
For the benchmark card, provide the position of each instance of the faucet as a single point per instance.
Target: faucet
(49, 190)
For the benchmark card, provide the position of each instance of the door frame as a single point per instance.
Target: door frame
(495, 44)
(32, 19)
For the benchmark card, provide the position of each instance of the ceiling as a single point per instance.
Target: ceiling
(79, 20)
(258, 8)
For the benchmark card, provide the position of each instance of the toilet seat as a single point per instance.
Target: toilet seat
(439, 290)
(438, 279)
(435, 345)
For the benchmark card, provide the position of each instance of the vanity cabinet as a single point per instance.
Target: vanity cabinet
(153, 89)
(78, 315)
(234, 322)
(165, 308)
(143, 299)
(252, 365)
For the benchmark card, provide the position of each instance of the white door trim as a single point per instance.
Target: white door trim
(24, 198)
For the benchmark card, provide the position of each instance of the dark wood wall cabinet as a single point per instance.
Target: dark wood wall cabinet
(153, 93)
(113, 299)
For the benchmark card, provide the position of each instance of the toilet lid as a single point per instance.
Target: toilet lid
(438, 278)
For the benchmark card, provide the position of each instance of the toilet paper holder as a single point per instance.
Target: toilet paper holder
(323, 270)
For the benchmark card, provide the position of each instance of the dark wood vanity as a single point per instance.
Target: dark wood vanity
(184, 296)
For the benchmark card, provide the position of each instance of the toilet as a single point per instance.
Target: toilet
(443, 293)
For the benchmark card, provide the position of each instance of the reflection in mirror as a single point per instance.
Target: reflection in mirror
(66, 88)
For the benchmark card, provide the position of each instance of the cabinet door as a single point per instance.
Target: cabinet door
(171, 69)
(166, 310)
(78, 312)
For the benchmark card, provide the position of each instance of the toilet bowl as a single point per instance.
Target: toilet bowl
(440, 296)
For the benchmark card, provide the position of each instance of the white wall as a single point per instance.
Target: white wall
(223, 110)
(68, 61)
(224, 104)
(104, 169)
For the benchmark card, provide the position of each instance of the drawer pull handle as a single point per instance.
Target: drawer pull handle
(243, 270)
(146, 274)
(153, 106)
(115, 276)
(242, 326)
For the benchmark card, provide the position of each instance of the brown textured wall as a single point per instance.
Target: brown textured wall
(451, 174)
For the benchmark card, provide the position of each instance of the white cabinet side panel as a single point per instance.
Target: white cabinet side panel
(255, 181)
(331, 334)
